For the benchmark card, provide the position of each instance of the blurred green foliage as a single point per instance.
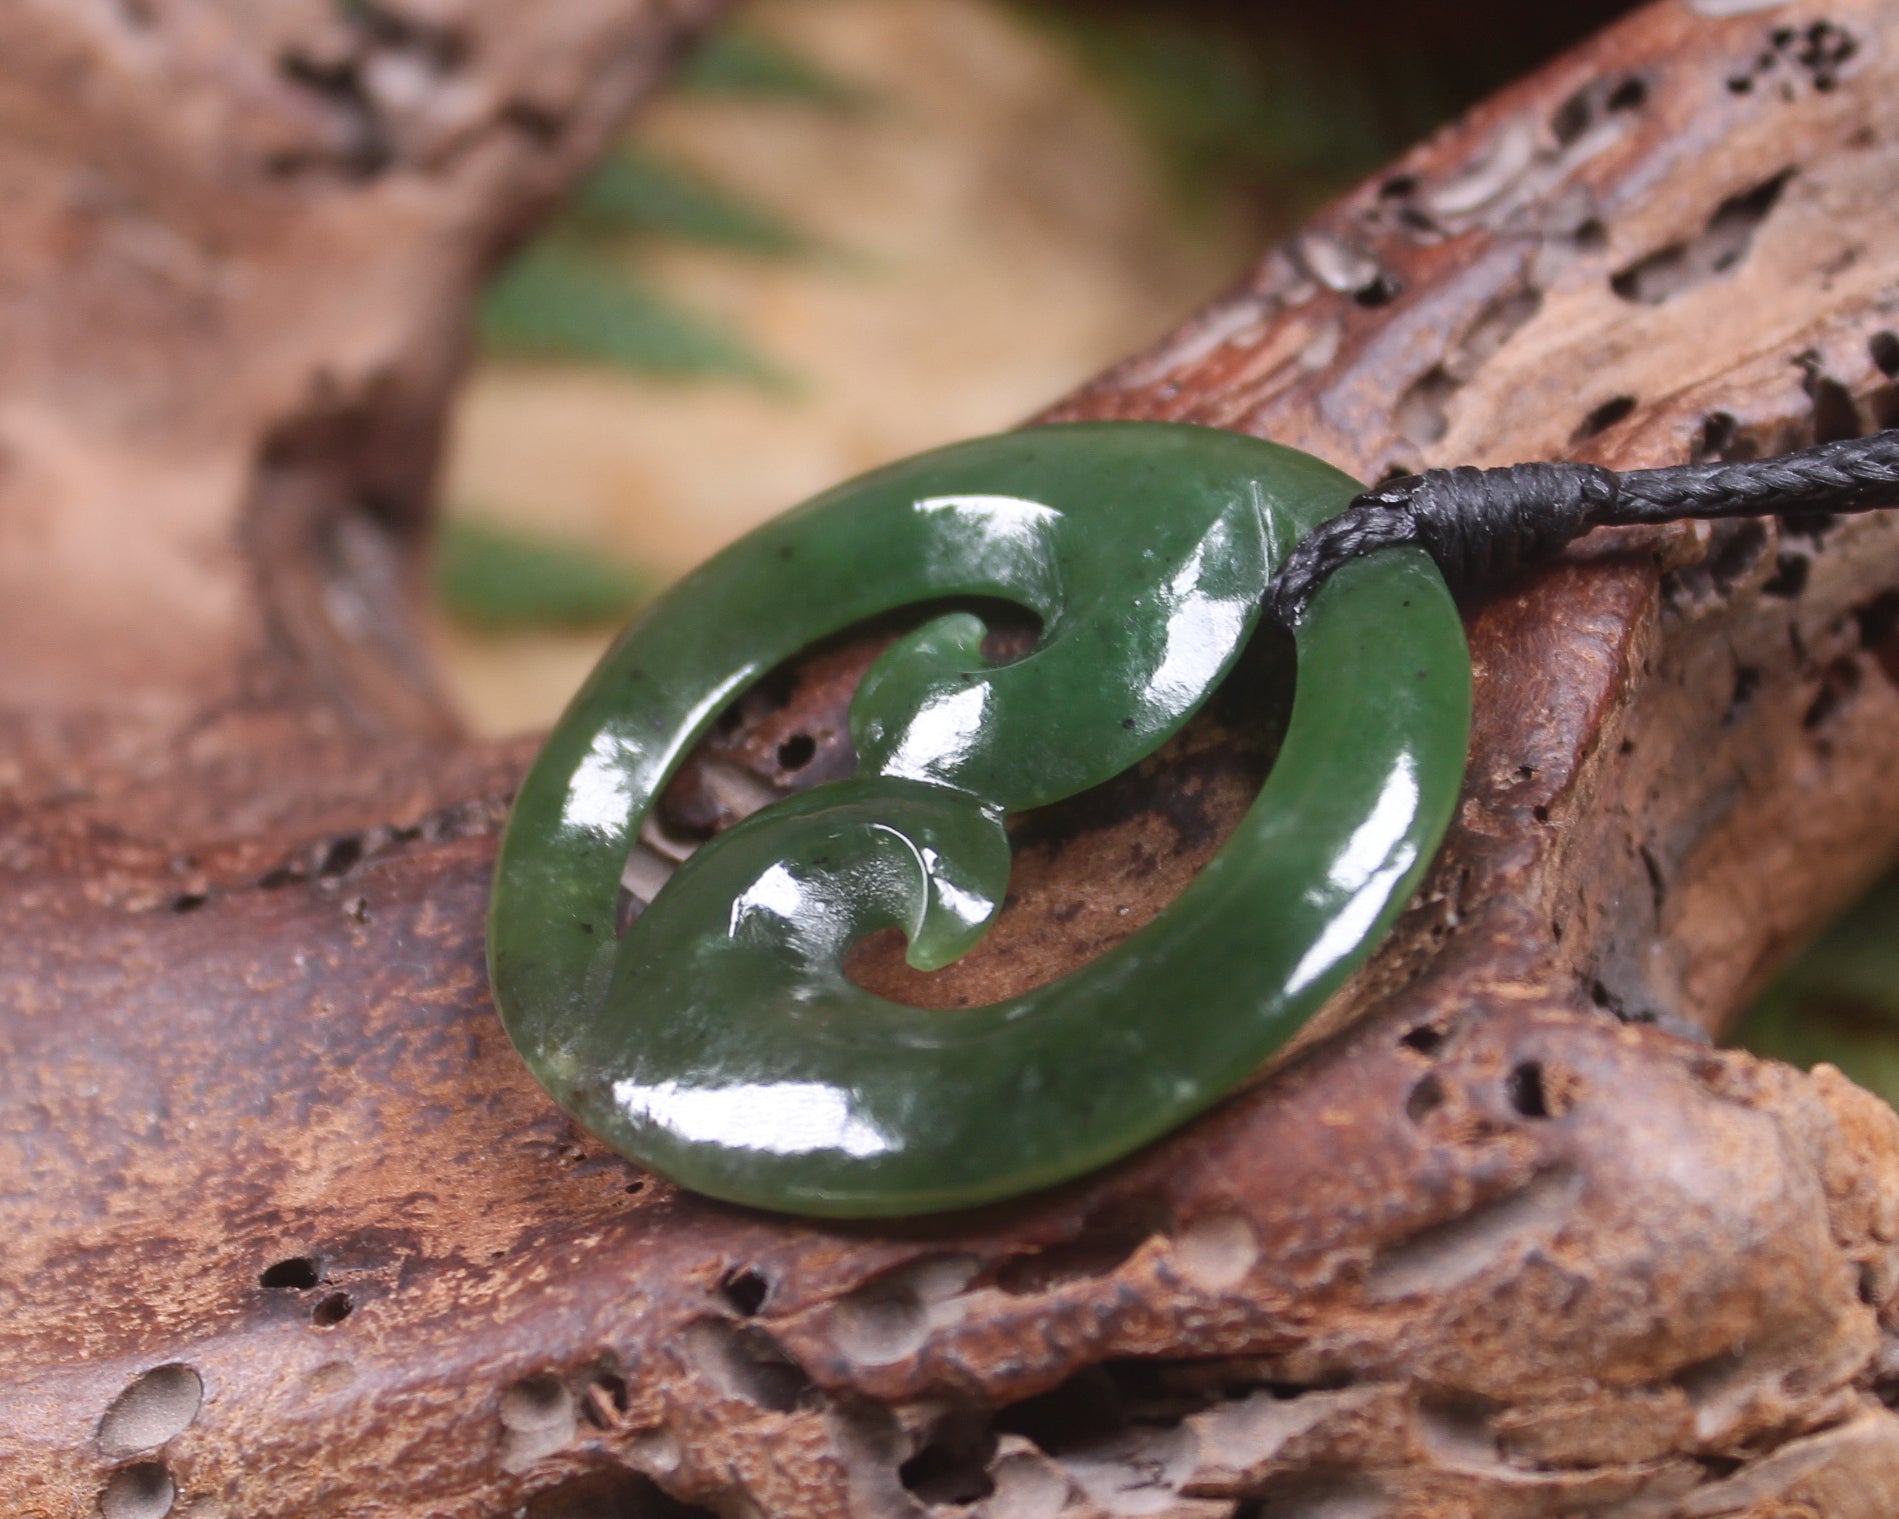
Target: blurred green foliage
(577, 293)
(741, 63)
(1220, 109)
(562, 300)
(633, 193)
(1839, 1001)
(1226, 104)
(497, 580)
(1290, 104)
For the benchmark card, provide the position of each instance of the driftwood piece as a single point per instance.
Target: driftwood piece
(288, 1229)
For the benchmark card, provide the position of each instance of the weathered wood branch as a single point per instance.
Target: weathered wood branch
(290, 1230)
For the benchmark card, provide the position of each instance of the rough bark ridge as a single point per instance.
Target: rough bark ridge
(290, 1231)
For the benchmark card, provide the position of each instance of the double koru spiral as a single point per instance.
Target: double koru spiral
(719, 1040)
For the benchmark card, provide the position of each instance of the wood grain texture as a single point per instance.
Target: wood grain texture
(1512, 1240)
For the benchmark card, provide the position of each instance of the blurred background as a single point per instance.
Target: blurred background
(852, 229)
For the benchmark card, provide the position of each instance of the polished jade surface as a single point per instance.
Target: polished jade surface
(720, 1042)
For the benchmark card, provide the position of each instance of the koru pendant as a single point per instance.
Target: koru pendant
(719, 1040)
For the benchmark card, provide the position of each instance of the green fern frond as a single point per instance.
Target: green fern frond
(561, 300)
(633, 193)
(495, 579)
(740, 63)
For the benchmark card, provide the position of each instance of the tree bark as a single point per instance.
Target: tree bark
(290, 1229)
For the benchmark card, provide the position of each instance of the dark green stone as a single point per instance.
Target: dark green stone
(720, 1041)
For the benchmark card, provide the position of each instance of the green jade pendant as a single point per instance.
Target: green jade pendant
(720, 1042)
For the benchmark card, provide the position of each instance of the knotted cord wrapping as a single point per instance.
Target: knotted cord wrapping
(1483, 525)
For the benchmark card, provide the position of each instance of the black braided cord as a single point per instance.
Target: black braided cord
(1483, 525)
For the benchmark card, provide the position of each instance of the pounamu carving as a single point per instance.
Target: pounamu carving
(289, 1229)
